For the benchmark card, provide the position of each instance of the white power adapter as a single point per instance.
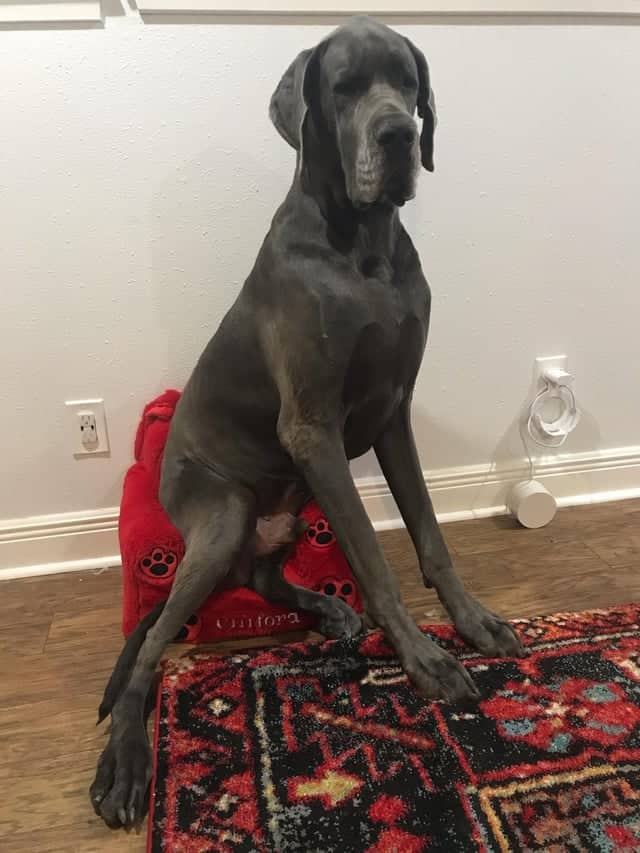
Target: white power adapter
(557, 376)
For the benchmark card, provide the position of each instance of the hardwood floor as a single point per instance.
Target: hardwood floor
(59, 637)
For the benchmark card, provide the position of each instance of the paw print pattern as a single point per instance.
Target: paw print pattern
(190, 630)
(344, 589)
(159, 564)
(319, 534)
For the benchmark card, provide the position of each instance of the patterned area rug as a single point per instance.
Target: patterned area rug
(321, 748)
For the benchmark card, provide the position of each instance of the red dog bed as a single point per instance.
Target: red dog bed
(152, 548)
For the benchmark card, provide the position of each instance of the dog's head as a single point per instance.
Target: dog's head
(356, 93)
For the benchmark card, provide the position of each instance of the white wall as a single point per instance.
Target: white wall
(139, 172)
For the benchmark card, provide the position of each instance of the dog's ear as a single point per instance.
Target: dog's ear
(296, 92)
(426, 107)
(288, 106)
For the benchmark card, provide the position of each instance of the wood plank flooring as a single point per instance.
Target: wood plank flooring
(59, 637)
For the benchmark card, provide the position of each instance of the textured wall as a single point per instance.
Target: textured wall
(139, 172)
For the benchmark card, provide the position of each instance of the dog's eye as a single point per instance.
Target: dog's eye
(343, 87)
(409, 83)
(347, 86)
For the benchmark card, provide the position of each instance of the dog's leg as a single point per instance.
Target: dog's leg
(398, 457)
(319, 454)
(221, 522)
(335, 618)
(126, 661)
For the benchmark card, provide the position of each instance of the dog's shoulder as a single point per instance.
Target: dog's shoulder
(296, 257)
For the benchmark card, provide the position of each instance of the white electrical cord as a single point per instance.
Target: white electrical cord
(523, 438)
(561, 427)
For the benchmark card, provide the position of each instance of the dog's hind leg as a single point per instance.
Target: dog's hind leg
(126, 661)
(335, 618)
(271, 532)
(217, 520)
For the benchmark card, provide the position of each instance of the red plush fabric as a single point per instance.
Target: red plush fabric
(152, 548)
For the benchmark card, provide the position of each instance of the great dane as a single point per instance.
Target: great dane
(314, 364)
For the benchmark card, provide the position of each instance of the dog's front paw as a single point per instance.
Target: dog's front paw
(119, 790)
(488, 633)
(436, 674)
(339, 620)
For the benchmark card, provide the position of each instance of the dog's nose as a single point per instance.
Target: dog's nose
(396, 132)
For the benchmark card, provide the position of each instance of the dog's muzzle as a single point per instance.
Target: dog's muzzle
(388, 159)
(396, 135)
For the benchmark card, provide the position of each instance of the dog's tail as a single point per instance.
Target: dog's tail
(126, 662)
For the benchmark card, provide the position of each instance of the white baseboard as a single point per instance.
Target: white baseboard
(89, 540)
(479, 491)
(66, 542)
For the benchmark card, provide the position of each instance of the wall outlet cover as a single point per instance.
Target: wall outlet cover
(83, 413)
(544, 363)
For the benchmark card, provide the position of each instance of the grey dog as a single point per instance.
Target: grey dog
(314, 364)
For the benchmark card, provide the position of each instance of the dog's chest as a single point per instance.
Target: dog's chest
(385, 358)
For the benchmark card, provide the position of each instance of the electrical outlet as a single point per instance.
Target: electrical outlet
(88, 430)
(544, 363)
(87, 427)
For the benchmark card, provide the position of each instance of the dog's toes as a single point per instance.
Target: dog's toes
(488, 633)
(339, 621)
(438, 675)
(122, 779)
(505, 640)
(103, 781)
(136, 804)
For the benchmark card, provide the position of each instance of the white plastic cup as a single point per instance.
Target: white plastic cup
(532, 504)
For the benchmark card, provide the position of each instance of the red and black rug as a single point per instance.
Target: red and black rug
(320, 748)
